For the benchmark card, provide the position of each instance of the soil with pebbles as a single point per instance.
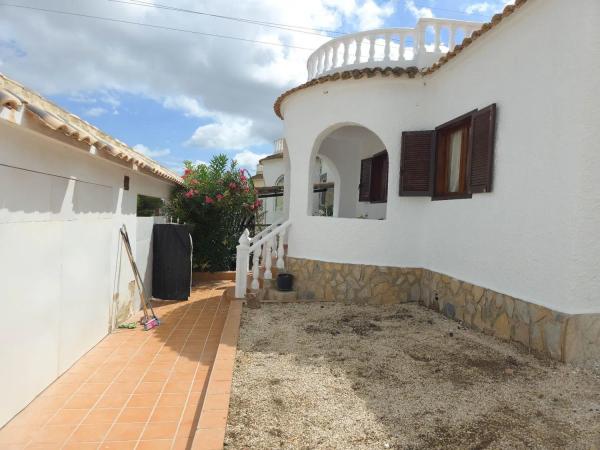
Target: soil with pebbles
(332, 376)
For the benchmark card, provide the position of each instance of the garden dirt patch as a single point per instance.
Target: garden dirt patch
(333, 376)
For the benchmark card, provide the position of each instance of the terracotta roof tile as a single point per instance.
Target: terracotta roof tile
(411, 72)
(15, 96)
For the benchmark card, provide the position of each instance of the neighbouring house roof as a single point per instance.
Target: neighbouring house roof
(411, 72)
(273, 156)
(16, 97)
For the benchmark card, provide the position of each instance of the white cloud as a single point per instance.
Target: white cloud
(487, 7)
(371, 15)
(188, 105)
(248, 159)
(204, 77)
(96, 111)
(479, 8)
(416, 11)
(226, 132)
(151, 153)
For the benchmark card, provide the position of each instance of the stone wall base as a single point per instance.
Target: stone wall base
(563, 337)
(354, 283)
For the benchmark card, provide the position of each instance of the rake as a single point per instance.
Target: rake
(149, 320)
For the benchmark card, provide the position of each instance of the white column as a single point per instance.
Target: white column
(372, 40)
(420, 39)
(451, 38)
(403, 37)
(386, 50)
(346, 55)
(320, 63)
(256, 268)
(274, 247)
(436, 30)
(268, 261)
(241, 266)
(264, 254)
(358, 50)
(280, 251)
(334, 61)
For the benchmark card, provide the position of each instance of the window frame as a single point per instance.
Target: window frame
(382, 177)
(442, 135)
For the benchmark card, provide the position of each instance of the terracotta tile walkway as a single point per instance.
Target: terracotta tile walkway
(136, 389)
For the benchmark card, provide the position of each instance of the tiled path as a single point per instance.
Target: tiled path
(135, 390)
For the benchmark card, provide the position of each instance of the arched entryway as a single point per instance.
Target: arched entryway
(349, 174)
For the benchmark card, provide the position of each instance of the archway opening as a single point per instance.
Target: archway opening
(349, 175)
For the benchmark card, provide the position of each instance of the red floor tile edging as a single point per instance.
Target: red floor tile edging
(210, 432)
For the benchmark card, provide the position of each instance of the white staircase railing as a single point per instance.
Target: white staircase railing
(266, 230)
(267, 245)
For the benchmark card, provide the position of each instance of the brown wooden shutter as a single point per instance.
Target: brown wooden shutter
(415, 163)
(364, 188)
(481, 154)
(379, 177)
(384, 176)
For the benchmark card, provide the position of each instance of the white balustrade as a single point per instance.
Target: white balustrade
(267, 245)
(387, 47)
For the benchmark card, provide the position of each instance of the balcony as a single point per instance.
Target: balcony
(279, 145)
(390, 47)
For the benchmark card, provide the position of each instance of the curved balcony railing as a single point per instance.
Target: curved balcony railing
(398, 47)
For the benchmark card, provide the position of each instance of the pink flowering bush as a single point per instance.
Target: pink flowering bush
(218, 201)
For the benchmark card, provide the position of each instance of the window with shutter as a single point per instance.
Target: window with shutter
(454, 161)
(481, 162)
(415, 165)
(364, 188)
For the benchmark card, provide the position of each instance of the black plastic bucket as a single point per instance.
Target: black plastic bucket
(285, 281)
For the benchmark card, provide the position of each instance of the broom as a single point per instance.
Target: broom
(148, 321)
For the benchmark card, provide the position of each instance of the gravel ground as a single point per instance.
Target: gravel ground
(332, 376)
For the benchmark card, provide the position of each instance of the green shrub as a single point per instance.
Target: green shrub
(218, 201)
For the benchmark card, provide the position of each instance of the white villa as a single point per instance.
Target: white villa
(465, 165)
(67, 188)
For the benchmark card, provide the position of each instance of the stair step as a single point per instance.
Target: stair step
(275, 296)
(261, 277)
(270, 293)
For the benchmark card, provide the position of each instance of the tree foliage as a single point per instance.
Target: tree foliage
(218, 201)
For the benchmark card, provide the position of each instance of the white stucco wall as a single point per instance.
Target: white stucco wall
(63, 278)
(535, 236)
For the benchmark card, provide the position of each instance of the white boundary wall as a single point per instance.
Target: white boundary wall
(535, 237)
(64, 279)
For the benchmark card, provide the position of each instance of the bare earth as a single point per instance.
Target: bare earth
(334, 376)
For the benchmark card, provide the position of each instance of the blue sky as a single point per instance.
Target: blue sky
(180, 96)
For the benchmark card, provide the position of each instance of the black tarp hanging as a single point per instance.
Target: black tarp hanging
(171, 262)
